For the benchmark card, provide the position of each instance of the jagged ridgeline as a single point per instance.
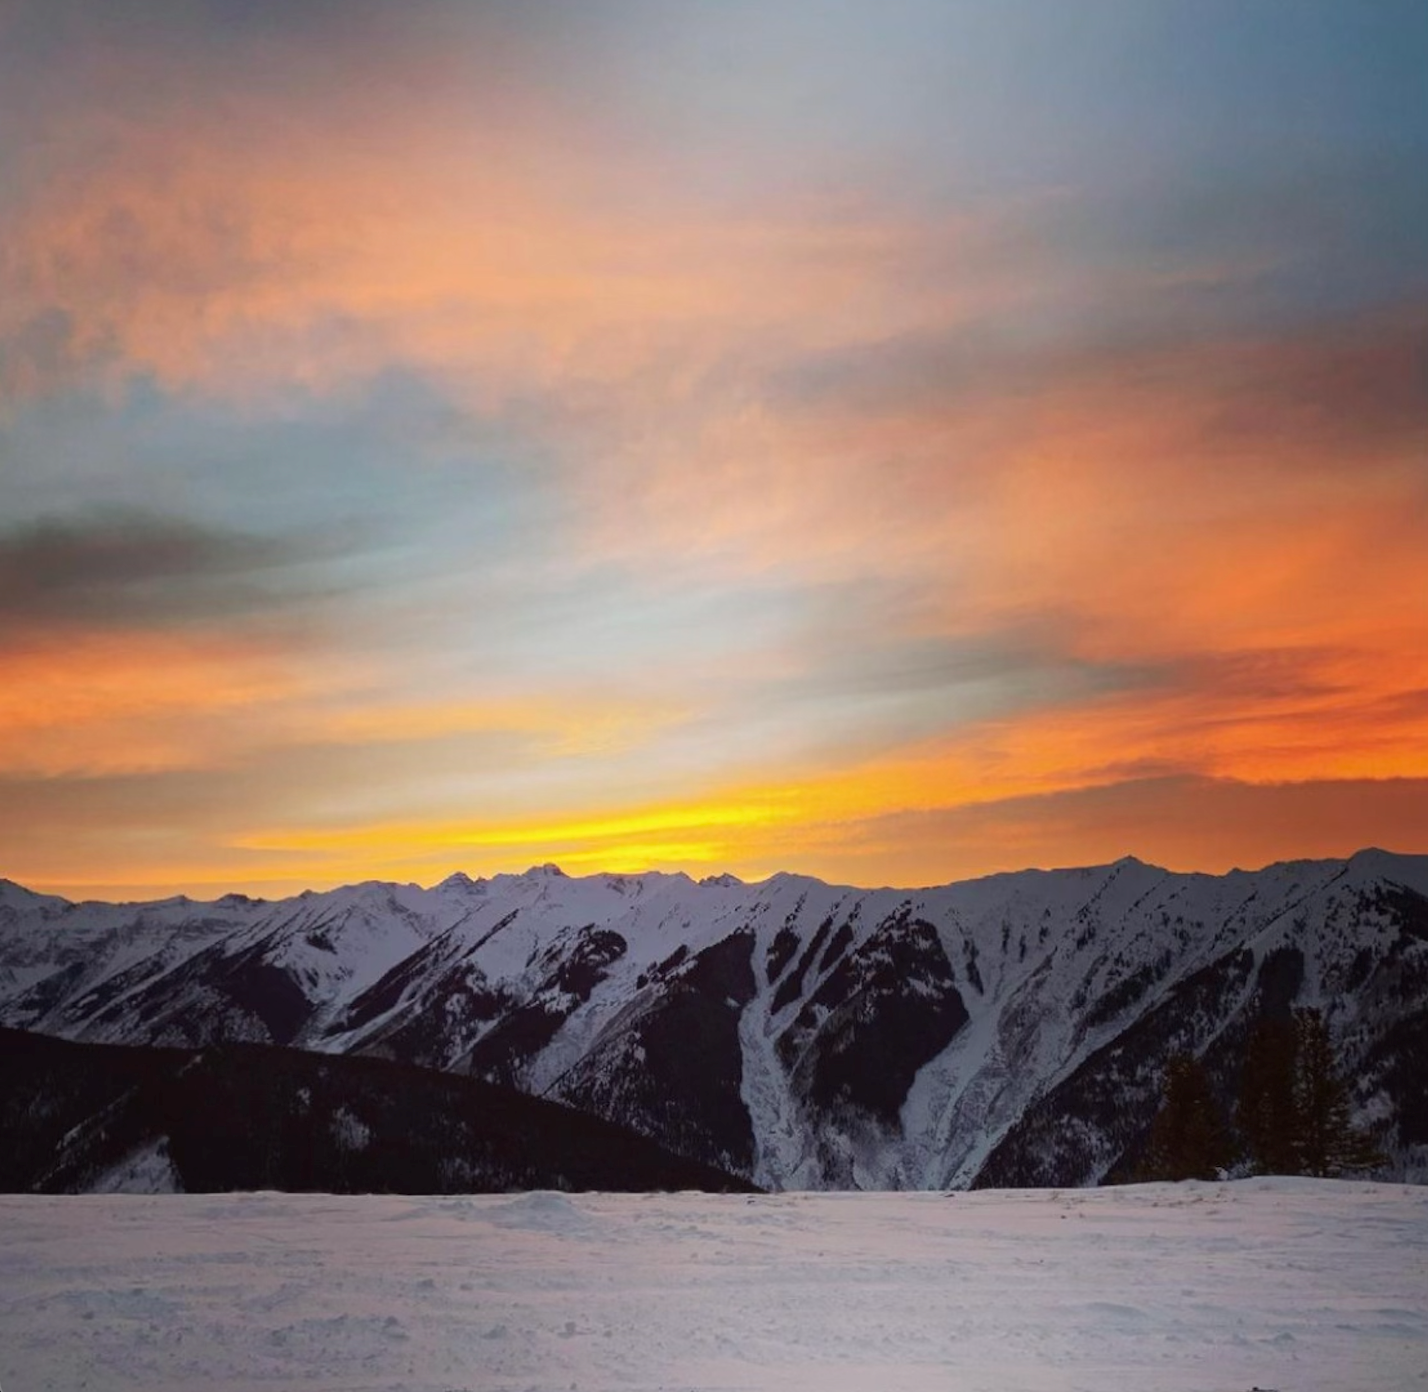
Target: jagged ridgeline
(1012, 1030)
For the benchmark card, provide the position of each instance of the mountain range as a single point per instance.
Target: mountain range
(1004, 1031)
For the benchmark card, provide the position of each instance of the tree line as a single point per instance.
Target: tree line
(1291, 1116)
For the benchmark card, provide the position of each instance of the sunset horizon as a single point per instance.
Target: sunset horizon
(199, 891)
(708, 438)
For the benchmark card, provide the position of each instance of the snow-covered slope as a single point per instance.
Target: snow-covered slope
(1294, 1284)
(1007, 1030)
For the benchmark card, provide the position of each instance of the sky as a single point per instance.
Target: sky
(892, 443)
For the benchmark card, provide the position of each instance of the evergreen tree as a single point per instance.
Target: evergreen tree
(1328, 1142)
(1293, 1109)
(1266, 1114)
(1188, 1139)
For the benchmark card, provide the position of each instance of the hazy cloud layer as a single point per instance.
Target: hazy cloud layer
(122, 569)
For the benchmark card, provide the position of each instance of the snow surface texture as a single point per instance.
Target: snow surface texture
(997, 1032)
(1295, 1285)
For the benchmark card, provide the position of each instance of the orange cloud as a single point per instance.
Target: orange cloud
(94, 704)
(579, 726)
(481, 231)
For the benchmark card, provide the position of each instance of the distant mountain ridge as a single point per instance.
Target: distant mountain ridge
(1006, 1030)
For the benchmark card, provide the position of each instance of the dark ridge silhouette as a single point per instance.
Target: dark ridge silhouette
(250, 1116)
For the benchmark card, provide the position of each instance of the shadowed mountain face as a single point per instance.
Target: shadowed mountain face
(1010, 1030)
(95, 1117)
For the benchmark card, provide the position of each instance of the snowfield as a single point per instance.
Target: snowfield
(1288, 1284)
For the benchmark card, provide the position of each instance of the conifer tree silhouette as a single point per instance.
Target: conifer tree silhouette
(1266, 1113)
(1188, 1139)
(1327, 1141)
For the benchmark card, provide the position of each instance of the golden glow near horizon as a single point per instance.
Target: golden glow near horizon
(461, 437)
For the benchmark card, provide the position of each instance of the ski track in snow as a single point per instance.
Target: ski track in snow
(1295, 1285)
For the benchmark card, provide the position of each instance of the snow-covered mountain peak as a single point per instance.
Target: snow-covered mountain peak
(237, 901)
(460, 882)
(1374, 863)
(16, 896)
(632, 886)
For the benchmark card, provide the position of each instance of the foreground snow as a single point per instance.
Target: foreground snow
(1286, 1284)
